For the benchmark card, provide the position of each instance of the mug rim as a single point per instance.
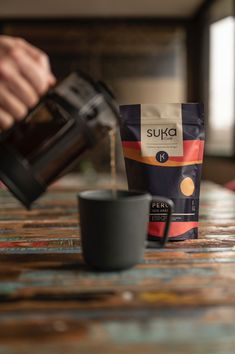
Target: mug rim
(107, 195)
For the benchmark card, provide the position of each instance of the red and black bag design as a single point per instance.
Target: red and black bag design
(163, 147)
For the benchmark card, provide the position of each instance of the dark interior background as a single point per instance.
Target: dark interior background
(143, 59)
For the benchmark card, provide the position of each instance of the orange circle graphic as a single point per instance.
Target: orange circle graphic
(187, 186)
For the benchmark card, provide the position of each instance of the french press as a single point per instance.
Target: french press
(69, 119)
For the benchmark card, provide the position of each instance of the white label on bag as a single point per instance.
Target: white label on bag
(161, 130)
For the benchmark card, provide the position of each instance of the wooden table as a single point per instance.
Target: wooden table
(179, 300)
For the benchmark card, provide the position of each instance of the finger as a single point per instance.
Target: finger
(13, 46)
(6, 120)
(32, 72)
(23, 91)
(41, 58)
(7, 42)
(18, 85)
(34, 52)
(11, 104)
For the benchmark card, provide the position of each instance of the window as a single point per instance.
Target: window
(221, 87)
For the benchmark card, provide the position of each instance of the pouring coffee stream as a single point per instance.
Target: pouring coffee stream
(71, 118)
(113, 168)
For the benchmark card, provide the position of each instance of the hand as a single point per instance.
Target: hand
(25, 75)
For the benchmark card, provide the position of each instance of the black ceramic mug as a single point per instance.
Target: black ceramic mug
(114, 227)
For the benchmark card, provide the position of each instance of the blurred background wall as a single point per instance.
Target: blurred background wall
(147, 51)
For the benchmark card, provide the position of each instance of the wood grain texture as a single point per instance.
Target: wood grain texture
(178, 300)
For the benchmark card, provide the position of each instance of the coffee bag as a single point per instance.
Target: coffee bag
(163, 148)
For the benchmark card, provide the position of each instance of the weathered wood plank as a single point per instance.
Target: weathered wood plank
(178, 300)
